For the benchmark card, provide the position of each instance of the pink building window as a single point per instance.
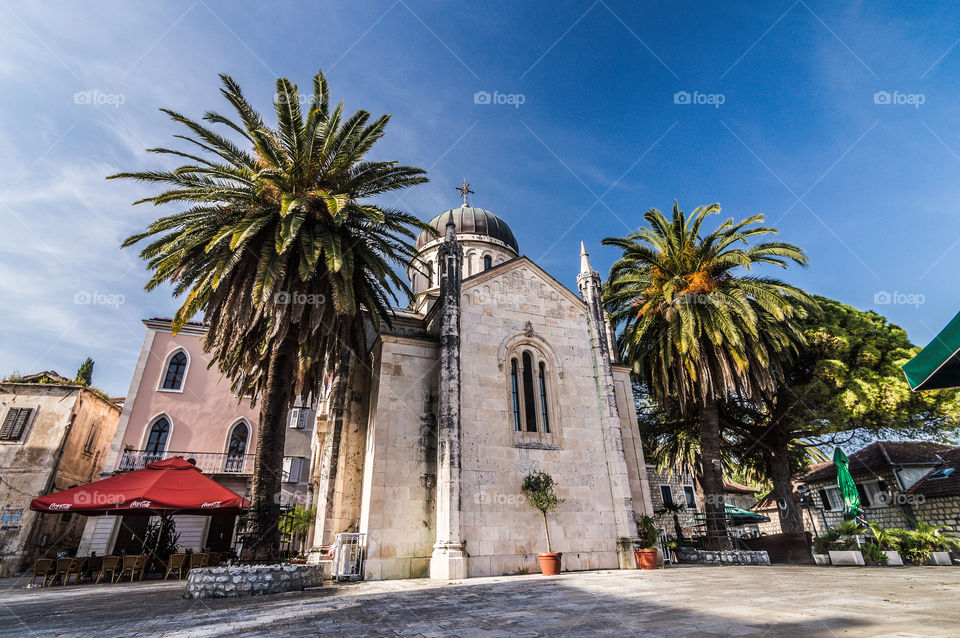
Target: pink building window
(175, 371)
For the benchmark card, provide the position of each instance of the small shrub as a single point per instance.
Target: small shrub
(538, 488)
(874, 553)
(647, 532)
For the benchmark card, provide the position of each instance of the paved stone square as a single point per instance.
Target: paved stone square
(683, 601)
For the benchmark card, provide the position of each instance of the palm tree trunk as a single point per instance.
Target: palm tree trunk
(263, 543)
(712, 473)
(676, 528)
(791, 516)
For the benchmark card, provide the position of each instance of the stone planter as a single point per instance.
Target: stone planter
(726, 557)
(251, 580)
(893, 559)
(821, 559)
(852, 557)
(939, 558)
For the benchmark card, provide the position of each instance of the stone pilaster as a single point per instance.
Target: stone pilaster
(603, 349)
(449, 560)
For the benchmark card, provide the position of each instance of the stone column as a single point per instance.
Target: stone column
(449, 560)
(588, 282)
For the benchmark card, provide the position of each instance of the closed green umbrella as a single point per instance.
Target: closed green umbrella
(848, 489)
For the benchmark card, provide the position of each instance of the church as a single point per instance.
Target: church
(495, 370)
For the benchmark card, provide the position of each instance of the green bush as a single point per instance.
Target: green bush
(873, 552)
(647, 532)
(822, 544)
(917, 544)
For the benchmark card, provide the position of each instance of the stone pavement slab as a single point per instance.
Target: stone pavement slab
(684, 601)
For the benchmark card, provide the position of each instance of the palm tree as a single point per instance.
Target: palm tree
(674, 509)
(278, 244)
(696, 331)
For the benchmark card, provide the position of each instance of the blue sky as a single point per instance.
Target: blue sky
(836, 120)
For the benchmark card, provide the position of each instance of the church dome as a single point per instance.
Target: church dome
(471, 221)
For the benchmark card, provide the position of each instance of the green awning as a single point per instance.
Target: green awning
(734, 515)
(938, 365)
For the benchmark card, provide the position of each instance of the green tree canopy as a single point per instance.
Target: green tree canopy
(85, 372)
(844, 384)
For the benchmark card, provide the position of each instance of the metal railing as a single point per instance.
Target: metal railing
(208, 462)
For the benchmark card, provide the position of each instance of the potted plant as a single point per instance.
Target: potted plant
(910, 546)
(887, 543)
(294, 527)
(821, 547)
(538, 488)
(646, 552)
(674, 509)
(937, 541)
(845, 550)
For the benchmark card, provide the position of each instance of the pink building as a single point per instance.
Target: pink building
(178, 406)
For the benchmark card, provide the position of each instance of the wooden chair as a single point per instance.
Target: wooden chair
(199, 560)
(91, 566)
(43, 567)
(176, 562)
(110, 564)
(66, 567)
(132, 564)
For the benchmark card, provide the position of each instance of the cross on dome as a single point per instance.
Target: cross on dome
(464, 191)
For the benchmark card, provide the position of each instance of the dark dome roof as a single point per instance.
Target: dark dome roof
(472, 221)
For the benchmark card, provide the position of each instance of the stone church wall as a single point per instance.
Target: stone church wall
(399, 510)
(510, 307)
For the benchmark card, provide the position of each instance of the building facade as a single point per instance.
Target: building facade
(496, 370)
(53, 435)
(178, 406)
(898, 482)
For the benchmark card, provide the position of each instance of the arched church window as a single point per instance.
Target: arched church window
(157, 441)
(515, 394)
(545, 418)
(175, 370)
(429, 275)
(529, 405)
(530, 385)
(487, 262)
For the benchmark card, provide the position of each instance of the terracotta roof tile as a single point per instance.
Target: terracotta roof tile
(949, 485)
(878, 456)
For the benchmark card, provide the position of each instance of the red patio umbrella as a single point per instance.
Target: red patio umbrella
(172, 486)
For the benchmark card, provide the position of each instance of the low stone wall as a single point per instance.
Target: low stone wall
(251, 580)
(706, 557)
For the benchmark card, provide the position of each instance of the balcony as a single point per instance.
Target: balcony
(208, 462)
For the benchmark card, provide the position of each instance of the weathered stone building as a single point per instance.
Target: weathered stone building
(52, 436)
(495, 370)
(898, 482)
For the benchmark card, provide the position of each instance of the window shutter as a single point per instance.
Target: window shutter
(14, 423)
(666, 494)
(298, 418)
(825, 500)
(292, 469)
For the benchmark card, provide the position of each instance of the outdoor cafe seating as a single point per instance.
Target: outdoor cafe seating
(168, 487)
(113, 569)
(67, 567)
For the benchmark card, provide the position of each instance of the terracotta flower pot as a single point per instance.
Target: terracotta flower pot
(550, 563)
(646, 558)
